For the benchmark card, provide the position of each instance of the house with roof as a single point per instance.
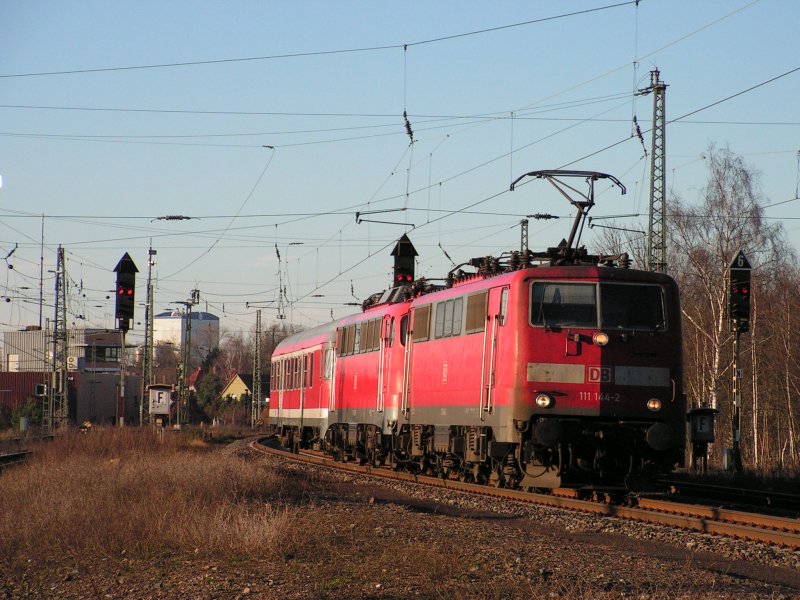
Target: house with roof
(241, 384)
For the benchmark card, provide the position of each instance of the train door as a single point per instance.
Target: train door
(407, 342)
(385, 361)
(329, 370)
(304, 372)
(496, 307)
(283, 387)
(337, 389)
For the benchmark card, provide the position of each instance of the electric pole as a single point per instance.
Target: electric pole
(183, 378)
(147, 358)
(656, 229)
(56, 406)
(256, 397)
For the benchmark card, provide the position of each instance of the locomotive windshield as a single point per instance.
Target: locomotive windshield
(590, 305)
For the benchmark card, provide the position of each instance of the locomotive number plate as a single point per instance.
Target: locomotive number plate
(599, 397)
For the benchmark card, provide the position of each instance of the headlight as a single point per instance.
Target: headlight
(600, 338)
(544, 401)
(654, 404)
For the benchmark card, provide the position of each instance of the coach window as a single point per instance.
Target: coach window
(625, 306)
(376, 334)
(369, 336)
(366, 334)
(438, 329)
(559, 304)
(458, 307)
(403, 330)
(448, 318)
(390, 333)
(422, 323)
(476, 313)
(328, 363)
(347, 340)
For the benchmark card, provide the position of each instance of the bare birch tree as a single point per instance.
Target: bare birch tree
(704, 238)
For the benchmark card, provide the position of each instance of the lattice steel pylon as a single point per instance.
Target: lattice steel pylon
(255, 413)
(56, 405)
(523, 236)
(657, 229)
(147, 357)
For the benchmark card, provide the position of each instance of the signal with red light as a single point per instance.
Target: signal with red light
(739, 299)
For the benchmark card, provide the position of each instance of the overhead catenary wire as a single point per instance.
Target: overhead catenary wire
(443, 38)
(241, 207)
(431, 183)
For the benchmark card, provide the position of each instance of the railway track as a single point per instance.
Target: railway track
(766, 498)
(767, 529)
(9, 459)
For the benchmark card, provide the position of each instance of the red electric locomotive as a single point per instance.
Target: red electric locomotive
(532, 370)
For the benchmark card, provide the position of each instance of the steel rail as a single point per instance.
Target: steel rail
(764, 497)
(746, 526)
(13, 458)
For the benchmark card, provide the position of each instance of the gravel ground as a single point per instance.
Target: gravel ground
(377, 539)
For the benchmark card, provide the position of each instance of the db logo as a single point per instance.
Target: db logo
(599, 374)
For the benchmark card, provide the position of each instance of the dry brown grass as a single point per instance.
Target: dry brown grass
(114, 513)
(109, 492)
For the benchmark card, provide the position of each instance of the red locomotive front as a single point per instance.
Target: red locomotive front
(600, 368)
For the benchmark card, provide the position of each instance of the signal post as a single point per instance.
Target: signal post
(125, 301)
(739, 317)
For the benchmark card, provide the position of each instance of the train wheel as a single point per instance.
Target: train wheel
(497, 478)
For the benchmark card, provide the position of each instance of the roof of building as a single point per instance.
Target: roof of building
(247, 380)
(196, 316)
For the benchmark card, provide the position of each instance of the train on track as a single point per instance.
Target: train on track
(532, 370)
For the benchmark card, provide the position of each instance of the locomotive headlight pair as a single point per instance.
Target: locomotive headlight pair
(544, 401)
(654, 404)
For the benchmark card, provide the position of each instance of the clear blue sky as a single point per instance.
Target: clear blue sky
(98, 148)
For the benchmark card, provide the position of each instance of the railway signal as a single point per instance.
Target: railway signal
(739, 315)
(739, 293)
(125, 291)
(404, 254)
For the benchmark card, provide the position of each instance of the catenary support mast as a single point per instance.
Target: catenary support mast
(256, 397)
(147, 357)
(656, 229)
